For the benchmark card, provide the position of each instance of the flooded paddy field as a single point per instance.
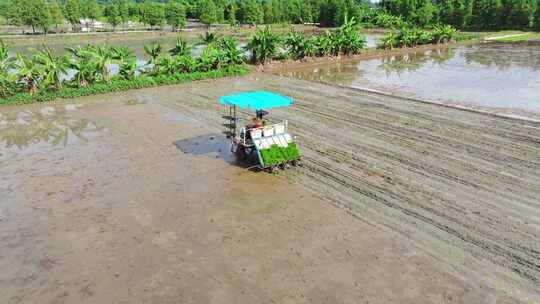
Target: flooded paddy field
(137, 40)
(133, 198)
(502, 78)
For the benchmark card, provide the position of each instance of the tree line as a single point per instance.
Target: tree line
(47, 15)
(44, 15)
(468, 14)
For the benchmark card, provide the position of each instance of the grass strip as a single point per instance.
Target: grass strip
(118, 85)
(518, 37)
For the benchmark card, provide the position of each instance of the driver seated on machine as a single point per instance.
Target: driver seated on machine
(256, 122)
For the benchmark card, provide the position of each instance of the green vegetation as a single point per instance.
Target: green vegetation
(41, 76)
(462, 14)
(519, 37)
(410, 37)
(276, 155)
(263, 45)
(345, 40)
(468, 14)
(176, 15)
(117, 85)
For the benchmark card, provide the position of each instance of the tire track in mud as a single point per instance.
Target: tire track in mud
(523, 260)
(463, 186)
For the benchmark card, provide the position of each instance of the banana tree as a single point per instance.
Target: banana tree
(126, 60)
(323, 44)
(53, 67)
(389, 41)
(348, 39)
(153, 51)
(181, 48)
(231, 53)
(208, 38)
(8, 84)
(85, 67)
(6, 62)
(295, 43)
(263, 45)
(102, 57)
(310, 47)
(209, 59)
(444, 33)
(7, 79)
(186, 64)
(28, 73)
(168, 65)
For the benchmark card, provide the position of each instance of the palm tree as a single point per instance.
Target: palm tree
(153, 51)
(53, 67)
(28, 72)
(263, 45)
(127, 62)
(181, 48)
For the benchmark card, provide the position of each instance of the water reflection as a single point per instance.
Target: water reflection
(214, 146)
(414, 61)
(22, 129)
(500, 77)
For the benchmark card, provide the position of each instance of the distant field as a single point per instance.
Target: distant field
(523, 37)
(511, 36)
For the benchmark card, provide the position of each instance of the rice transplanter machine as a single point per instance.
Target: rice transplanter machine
(274, 146)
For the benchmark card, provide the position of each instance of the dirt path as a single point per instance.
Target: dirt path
(100, 206)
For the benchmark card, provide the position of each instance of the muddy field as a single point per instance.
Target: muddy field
(136, 200)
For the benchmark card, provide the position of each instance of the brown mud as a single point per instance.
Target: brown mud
(132, 198)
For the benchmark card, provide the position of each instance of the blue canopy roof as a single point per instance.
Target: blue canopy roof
(259, 100)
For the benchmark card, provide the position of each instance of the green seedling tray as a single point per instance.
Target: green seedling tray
(276, 155)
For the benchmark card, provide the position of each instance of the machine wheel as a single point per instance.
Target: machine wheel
(273, 169)
(285, 166)
(240, 152)
(297, 163)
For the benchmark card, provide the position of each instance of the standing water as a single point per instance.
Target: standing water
(503, 78)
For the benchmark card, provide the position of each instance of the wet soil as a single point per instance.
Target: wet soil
(132, 198)
(494, 77)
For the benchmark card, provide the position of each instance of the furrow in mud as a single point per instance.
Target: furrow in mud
(452, 181)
